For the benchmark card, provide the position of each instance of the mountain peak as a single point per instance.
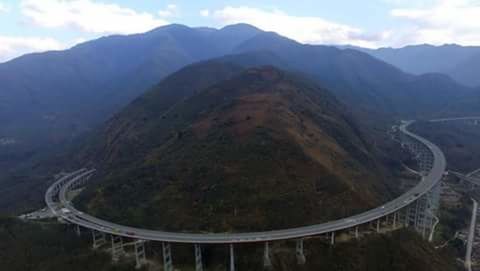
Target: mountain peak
(241, 26)
(169, 27)
(260, 131)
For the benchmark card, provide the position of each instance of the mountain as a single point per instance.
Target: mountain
(259, 149)
(52, 97)
(467, 71)
(49, 98)
(371, 87)
(459, 62)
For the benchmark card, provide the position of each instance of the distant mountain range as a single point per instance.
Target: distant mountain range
(224, 130)
(460, 62)
(49, 99)
(369, 86)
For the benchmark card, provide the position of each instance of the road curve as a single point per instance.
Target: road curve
(77, 217)
(454, 119)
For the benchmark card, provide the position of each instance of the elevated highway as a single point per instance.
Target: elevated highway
(413, 208)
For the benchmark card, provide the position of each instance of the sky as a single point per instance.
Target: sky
(40, 25)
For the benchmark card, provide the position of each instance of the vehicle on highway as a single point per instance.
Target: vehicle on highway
(65, 211)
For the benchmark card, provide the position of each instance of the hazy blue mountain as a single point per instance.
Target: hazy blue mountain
(48, 98)
(468, 71)
(368, 85)
(460, 62)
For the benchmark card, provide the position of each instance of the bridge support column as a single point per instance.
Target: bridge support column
(140, 256)
(424, 216)
(198, 258)
(416, 219)
(267, 262)
(301, 259)
(117, 247)
(77, 230)
(356, 232)
(167, 257)
(232, 258)
(400, 221)
(378, 225)
(421, 215)
(332, 238)
(98, 239)
(411, 216)
(394, 220)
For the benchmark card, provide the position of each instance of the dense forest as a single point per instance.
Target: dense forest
(48, 246)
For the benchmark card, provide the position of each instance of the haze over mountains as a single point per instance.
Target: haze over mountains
(60, 94)
(51, 98)
(462, 63)
(231, 130)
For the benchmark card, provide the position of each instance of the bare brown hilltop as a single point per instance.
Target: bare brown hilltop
(262, 149)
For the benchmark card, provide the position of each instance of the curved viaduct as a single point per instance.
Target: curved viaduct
(415, 208)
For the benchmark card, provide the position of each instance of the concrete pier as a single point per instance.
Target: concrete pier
(267, 262)
(117, 247)
(232, 258)
(140, 255)
(98, 239)
(198, 258)
(78, 230)
(167, 257)
(301, 259)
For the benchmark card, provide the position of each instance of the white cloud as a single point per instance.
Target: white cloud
(446, 21)
(11, 47)
(4, 8)
(88, 16)
(170, 11)
(205, 13)
(314, 30)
